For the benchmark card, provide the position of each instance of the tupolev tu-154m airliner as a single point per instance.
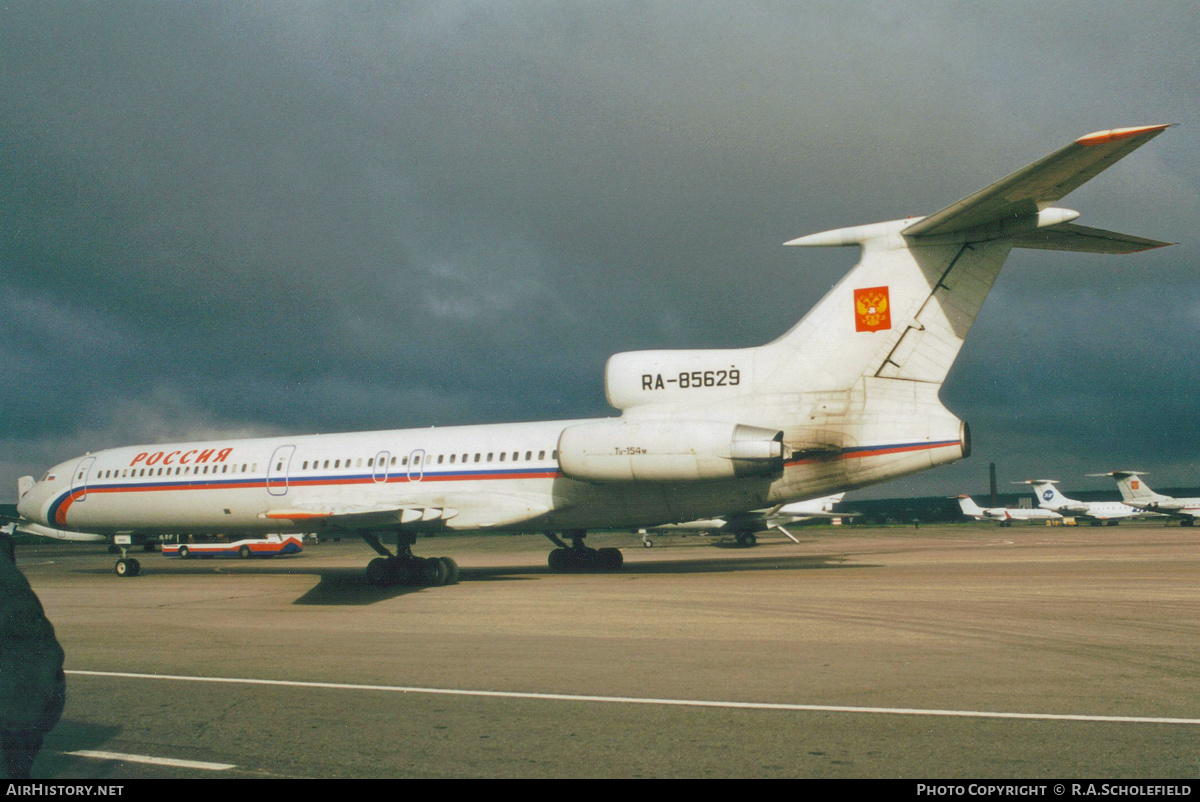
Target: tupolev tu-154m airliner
(848, 397)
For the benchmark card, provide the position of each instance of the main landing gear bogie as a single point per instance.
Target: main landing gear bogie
(578, 558)
(404, 567)
(410, 570)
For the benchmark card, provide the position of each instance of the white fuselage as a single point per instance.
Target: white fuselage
(503, 476)
(1099, 510)
(1018, 514)
(1180, 507)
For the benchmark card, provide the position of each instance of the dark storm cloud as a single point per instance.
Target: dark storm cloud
(311, 217)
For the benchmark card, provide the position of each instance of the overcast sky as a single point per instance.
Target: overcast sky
(225, 218)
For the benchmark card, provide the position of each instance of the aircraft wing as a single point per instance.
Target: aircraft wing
(1031, 189)
(31, 528)
(470, 511)
(351, 516)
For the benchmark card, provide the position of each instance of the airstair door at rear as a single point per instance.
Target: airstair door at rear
(277, 470)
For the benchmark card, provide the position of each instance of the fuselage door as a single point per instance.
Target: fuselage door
(79, 479)
(381, 466)
(416, 465)
(277, 470)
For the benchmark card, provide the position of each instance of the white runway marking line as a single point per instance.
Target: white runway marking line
(634, 700)
(153, 761)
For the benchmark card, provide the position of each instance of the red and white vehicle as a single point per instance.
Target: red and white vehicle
(270, 546)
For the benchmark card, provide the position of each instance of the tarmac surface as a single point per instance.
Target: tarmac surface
(957, 651)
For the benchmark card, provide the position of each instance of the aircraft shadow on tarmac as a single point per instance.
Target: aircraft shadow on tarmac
(337, 585)
(348, 585)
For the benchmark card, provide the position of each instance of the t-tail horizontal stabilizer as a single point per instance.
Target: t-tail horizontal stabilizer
(1018, 208)
(921, 281)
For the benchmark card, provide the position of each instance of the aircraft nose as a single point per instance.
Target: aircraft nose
(30, 503)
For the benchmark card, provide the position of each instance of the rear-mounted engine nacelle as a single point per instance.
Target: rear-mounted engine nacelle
(668, 451)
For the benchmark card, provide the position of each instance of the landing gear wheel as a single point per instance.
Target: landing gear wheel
(451, 571)
(378, 572)
(558, 560)
(610, 559)
(746, 539)
(433, 572)
(128, 567)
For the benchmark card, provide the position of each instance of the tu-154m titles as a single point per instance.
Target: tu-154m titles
(848, 397)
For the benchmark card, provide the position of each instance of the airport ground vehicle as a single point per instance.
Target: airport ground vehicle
(270, 546)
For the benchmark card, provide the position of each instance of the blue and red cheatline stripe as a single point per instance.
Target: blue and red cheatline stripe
(59, 507)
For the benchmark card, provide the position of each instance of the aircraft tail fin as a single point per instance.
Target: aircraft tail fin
(1133, 488)
(969, 507)
(1047, 493)
(905, 309)
(903, 312)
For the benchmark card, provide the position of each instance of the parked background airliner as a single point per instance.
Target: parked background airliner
(744, 525)
(1138, 494)
(847, 398)
(1004, 515)
(1096, 512)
